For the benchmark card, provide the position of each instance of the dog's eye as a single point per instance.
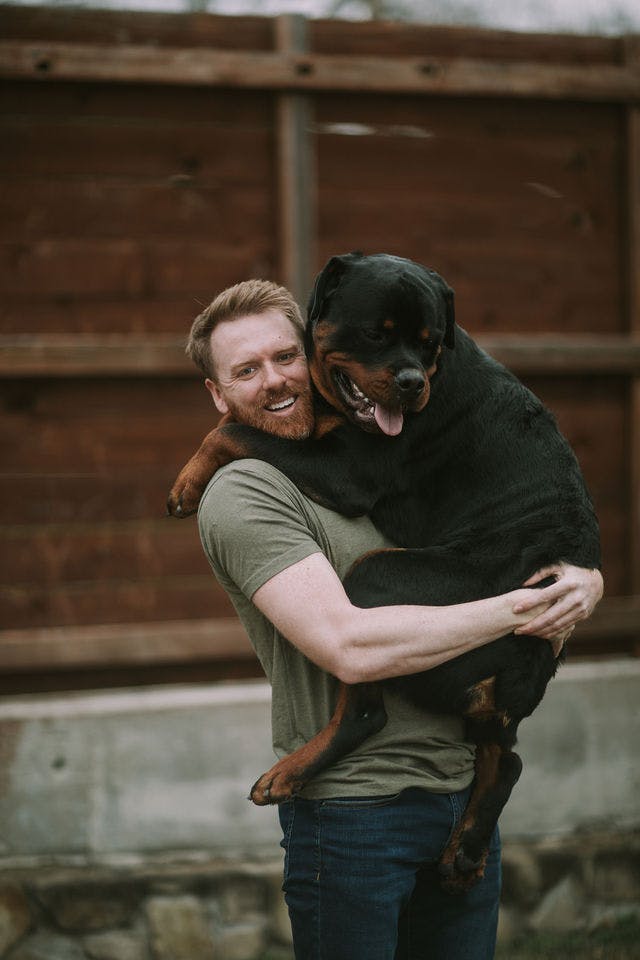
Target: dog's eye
(376, 336)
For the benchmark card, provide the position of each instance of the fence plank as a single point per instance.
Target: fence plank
(161, 355)
(221, 638)
(441, 76)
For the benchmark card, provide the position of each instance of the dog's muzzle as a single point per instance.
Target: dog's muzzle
(410, 383)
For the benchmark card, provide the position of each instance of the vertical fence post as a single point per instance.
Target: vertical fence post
(632, 56)
(296, 172)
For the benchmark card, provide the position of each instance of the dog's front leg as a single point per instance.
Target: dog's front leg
(359, 713)
(217, 449)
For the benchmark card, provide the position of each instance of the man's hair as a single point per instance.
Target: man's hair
(250, 296)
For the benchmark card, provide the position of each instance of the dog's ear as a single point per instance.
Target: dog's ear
(433, 282)
(327, 283)
(450, 317)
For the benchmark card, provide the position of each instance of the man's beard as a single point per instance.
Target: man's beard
(297, 426)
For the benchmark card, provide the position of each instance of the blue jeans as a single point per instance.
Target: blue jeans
(361, 882)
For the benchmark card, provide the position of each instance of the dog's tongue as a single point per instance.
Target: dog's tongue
(389, 421)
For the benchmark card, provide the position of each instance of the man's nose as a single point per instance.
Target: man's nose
(273, 377)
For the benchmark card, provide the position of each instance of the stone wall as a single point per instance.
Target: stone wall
(200, 909)
(190, 909)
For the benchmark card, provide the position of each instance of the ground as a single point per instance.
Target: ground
(618, 942)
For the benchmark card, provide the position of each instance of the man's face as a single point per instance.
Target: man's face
(261, 374)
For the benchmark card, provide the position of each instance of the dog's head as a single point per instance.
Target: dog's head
(376, 326)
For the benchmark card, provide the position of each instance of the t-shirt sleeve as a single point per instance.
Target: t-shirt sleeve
(253, 525)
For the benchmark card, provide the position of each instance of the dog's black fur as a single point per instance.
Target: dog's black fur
(479, 487)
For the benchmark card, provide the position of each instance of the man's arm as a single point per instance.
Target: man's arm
(307, 603)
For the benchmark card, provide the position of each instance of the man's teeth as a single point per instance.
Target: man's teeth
(283, 403)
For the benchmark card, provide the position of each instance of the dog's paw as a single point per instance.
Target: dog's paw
(273, 787)
(459, 871)
(184, 498)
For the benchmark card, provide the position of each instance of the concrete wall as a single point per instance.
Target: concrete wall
(146, 771)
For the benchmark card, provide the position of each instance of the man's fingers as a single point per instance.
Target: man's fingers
(551, 622)
(547, 595)
(541, 575)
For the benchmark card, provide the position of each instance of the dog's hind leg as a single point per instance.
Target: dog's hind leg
(497, 770)
(359, 713)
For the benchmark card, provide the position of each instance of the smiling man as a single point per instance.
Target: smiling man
(363, 838)
(248, 344)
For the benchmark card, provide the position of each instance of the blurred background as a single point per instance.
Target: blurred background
(155, 153)
(151, 159)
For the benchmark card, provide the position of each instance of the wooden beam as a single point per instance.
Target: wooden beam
(124, 644)
(199, 641)
(295, 172)
(162, 355)
(564, 355)
(89, 355)
(435, 76)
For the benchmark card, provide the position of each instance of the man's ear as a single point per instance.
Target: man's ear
(218, 399)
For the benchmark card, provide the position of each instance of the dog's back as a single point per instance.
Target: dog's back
(485, 473)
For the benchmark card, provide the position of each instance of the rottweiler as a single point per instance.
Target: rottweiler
(462, 467)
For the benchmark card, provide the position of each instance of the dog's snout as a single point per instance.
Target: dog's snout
(410, 382)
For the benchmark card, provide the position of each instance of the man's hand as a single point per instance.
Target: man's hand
(573, 596)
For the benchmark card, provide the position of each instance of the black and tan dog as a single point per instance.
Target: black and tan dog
(461, 466)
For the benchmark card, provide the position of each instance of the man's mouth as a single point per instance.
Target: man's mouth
(280, 405)
(367, 413)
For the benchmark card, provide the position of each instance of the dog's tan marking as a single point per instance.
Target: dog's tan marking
(483, 698)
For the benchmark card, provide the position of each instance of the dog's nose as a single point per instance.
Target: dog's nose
(410, 382)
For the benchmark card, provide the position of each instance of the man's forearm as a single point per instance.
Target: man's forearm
(308, 605)
(394, 641)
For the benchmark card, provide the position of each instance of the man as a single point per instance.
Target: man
(363, 839)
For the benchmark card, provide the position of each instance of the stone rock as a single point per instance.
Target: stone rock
(242, 941)
(522, 878)
(510, 924)
(15, 917)
(179, 929)
(241, 896)
(606, 915)
(280, 926)
(90, 908)
(46, 945)
(562, 909)
(616, 876)
(115, 945)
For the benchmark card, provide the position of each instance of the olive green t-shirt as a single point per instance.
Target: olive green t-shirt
(254, 523)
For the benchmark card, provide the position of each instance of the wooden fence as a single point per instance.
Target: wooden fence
(150, 160)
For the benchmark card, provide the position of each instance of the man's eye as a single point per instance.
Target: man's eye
(246, 371)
